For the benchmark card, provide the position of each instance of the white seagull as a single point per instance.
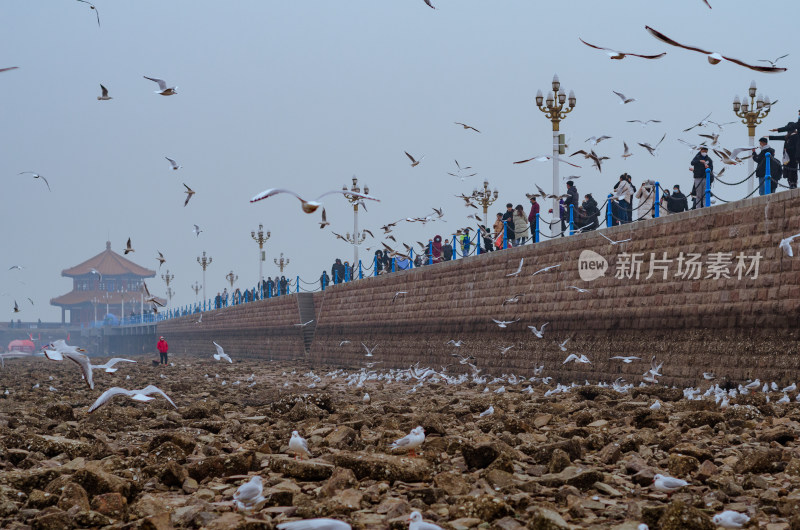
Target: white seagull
(578, 289)
(103, 94)
(504, 349)
(138, 395)
(415, 522)
(249, 493)
(414, 162)
(173, 164)
(614, 242)
(487, 412)
(519, 269)
(626, 360)
(545, 159)
(298, 445)
(37, 176)
(107, 366)
(667, 483)
(730, 519)
(314, 524)
(369, 352)
(411, 441)
(563, 345)
(309, 206)
(221, 353)
(623, 98)
(539, 332)
(504, 323)
(196, 230)
(618, 55)
(550, 267)
(162, 87)
(708, 376)
(304, 324)
(582, 359)
(786, 245)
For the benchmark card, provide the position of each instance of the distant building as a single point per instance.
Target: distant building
(116, 286)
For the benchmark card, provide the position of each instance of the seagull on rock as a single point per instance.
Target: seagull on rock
(731, 519)
(314, 524)
(415, 522)
(411, 441)
(250, 493)
(668, 484)
(298, 445)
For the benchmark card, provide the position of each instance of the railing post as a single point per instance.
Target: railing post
(393, 259)
(768, 175)
(454, 244)
(571, 219)
(360, 271)
(609, 215)
(335, 277)
(536, 229)
(430, 252)
(656, 205)
(375, 265)
(411, 259)
(505, 235)
(297, 290)
(707, 200)
(479, 241)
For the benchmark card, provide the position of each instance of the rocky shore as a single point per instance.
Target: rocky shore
(579, 459)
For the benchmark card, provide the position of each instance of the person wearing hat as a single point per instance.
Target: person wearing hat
(761, 166)
(791, 150)
(700, 163)
(162, 348)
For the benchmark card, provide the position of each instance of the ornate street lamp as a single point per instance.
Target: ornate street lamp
(555, 111)
(196, 288)
(281, 264)
(752, 114)
(355, 201)
(485, 198)
(167, 277)
(204, 263)
(260, 238)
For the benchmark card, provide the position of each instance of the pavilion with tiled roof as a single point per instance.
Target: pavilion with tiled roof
(106, 283)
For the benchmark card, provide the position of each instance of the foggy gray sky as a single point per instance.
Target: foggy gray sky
(305, 94)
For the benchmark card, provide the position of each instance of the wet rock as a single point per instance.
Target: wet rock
(698, 419)
(341, 438)
(707, 469)
(572, 476)
(112, 505)
(60, 411)
(558, 461)
(52, 519)
(223, 465)
(780, 433)
(97, 482)
(680, 516)
(542, 453)
(200, 410)
(305, 470)
(755, 461)
(452, 483)
(340, 479)
(693, 450)
(346, 501)
(303, 411)
(168, 452)
(173, 475)
(546, 519)
(90, 519)
(383, 467)
(682, 465)
(39, 499)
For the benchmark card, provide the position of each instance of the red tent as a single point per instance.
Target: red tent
(22, 345)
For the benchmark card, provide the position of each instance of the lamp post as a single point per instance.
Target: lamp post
(259, 238)
(94, 302)
(752, 114)
(485, 198)
(231, 277)
(355, 241)
(107, 297)
(170, 294)
(281, 264)
(204, 263)
(196, 288)
(555, 111)
(167, 277)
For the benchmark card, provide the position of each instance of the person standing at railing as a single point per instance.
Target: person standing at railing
(270, 286)
(532, 214)
(508, 218)
(436, 248)
(646, 197)
(791, 151)
(521, 232)
(761, 167)
(623, 197)
(465, 242)
(324, 280)
(700, 163)
(337, 271)
(284, 285)
(497, 234)
(447, 250)
(163, 349)
(589, 213)
(224, 297)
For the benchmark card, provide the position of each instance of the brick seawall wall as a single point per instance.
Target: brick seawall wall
(737, 328)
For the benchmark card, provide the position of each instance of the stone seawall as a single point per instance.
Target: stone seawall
(735, 327)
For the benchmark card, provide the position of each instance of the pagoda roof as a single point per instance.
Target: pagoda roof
(85, 297)
(109, 263)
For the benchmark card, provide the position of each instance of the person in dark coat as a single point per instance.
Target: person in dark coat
(486, 235)
(378, 261)
(700, 163)
(270, 287)
(761, 167)
(508, 217)
(324, 280)
(590, 213)
(337, 271)
(447, 250)
(791, 147)
(677, 201)
(437, 248)
(285, 285)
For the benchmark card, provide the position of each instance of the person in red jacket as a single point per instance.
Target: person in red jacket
(532, 216)
(162, 348)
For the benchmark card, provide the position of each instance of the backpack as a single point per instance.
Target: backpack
(776, 168)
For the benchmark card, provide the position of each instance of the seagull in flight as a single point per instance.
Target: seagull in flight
(138, 395)
(16, 267)
(189, 192)
(713, 57)
(519, 269)
(310, 206)
(92, 6)
(624, 100)
(550, 267)
(614, 242)
(786, 245)
(324, 222)
(618, 55)
(37, 176)
(504, 349)
(563, 346)
(457, 344)
(708, 376)
(128, 247)
(775, 62)
(578, 289)
(369, 352)
(513, 300)
(626, 153)
(343, 343)
(626, 360)
(173, 164)
(162, 87)
(398, 293)
(595, 140)
(414, 162)
(574, 358)
(644, 123)
(107, 366)
(160, 258)
(428, 3)
(8, 68)
(701, 123)
(220, 355)
(467, 126)
(504, 323)
(103, 94)
(196, 230)
(545, 159)
(304, 324)
(650, 148)
(538, 332)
